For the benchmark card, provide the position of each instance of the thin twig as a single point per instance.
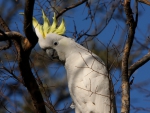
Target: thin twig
(3, 24)
(70, 7)
(145, 1)
(8, 45)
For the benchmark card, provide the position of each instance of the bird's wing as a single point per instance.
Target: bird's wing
(95, 84)
(88, 82)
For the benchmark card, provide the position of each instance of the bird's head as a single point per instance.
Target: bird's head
(50, 37)
(44, 31)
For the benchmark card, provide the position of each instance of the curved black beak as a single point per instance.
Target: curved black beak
(52, 53)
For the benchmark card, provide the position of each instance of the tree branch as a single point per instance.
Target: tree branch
(23, 60)
(71, 7)
(26, 73)
(12, 35)
(3, 24)
(6, 28)
(6, 38)
(28, 29)
(125, 79)
(145, 1)
(138, 64)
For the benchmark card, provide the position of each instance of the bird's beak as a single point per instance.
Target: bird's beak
(52, 54)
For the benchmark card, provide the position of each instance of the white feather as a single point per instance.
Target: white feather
(88, 80)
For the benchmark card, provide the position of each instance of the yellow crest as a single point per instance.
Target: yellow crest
(46, 28)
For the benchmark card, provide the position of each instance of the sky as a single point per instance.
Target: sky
(140, 98)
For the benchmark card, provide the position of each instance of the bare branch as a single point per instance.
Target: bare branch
(3, 24)
(47, 103)
(23, 59)
(105, 20)
(12, 35)
(30, 34)
(50, 107)
(138, 64)
(6, 28)
(31, 83)
(71, 7)
(145, 1)
(125, 79)
(8, 39)
(26, 73)
(10, 72)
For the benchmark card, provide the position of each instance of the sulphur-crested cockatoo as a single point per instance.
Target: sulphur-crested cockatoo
(88, 80)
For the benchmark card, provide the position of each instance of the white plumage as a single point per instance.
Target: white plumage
(88, 81)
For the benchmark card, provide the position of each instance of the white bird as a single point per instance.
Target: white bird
(89, 83)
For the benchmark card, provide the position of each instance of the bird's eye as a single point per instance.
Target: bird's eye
(55, 43)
